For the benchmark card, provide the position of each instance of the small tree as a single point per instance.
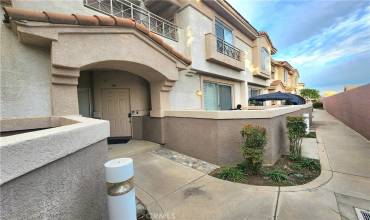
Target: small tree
(296, 131)
(254, 138)
(312, 94)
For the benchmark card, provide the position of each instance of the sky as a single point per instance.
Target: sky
(328, 41)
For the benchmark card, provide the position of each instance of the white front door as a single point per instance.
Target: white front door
(116, 109)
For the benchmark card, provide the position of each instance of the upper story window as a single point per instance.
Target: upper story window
(285, 76)
(224, 38)
(265, 59)
(224, 33)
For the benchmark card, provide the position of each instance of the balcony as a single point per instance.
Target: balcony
(261, 74)
(126, 9)
(221, 52)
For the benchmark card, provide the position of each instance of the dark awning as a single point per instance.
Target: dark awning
(292, 98)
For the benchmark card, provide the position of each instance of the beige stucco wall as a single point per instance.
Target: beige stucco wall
(197, 19)
(64, 6)
(183, 131)
(53, 173)
(184, 93)
(25, 78)
(200, 20)
(196, 25)
(70, 188)
(261, 42)
(77, 7)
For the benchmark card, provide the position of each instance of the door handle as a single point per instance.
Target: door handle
(129, 115)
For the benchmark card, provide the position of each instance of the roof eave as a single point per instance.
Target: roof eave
(232, 15)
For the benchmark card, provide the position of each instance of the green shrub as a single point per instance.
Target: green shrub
(254, 138)
(243, 166)
(308, 93)
(307, 163)
(318, 105)
(296, 131)
(277, 175)
(296, 166)
(233, 174)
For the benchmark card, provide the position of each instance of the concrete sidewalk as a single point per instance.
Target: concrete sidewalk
(173, 191)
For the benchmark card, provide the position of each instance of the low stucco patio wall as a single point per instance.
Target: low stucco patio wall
(352, 108)
(56, 172)
(215, 136)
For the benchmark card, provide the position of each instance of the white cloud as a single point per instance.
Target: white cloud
(349, 36)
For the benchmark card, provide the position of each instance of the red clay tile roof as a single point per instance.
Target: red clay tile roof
(284, 64)
(86, 20)
(275, 82)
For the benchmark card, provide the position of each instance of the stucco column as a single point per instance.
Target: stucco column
(64, 96)
(244, 94)
(160, 98)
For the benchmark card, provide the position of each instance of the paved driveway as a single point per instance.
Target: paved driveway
(173, 191)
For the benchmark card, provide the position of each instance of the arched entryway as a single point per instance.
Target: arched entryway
(133, 50)
(118, 96)
(135, 55)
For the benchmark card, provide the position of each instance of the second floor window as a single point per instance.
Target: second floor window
(285, 76)
(224, 33)
(265, 59)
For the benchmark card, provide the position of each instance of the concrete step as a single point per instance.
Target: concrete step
(131, 148)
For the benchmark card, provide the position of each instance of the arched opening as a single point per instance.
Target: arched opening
(121, 93)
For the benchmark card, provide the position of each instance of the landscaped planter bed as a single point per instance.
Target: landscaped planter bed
(285, 172)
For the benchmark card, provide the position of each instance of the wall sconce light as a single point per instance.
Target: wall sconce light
(199, 93)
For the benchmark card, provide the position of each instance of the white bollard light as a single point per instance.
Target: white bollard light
(306, 118)
(119, 174)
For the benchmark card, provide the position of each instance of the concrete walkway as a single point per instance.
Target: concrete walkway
(173, 191)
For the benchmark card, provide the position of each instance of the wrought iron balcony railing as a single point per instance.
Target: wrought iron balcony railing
(126, 9)
(228, 49)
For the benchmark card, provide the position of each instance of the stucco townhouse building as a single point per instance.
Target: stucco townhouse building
(168, 72)
(68, 57)
(284, 78)
(162, 71)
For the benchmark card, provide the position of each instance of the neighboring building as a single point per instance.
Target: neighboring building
(286, 76)
(199, 55)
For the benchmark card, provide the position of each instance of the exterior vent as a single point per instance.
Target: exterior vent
(362, 214)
